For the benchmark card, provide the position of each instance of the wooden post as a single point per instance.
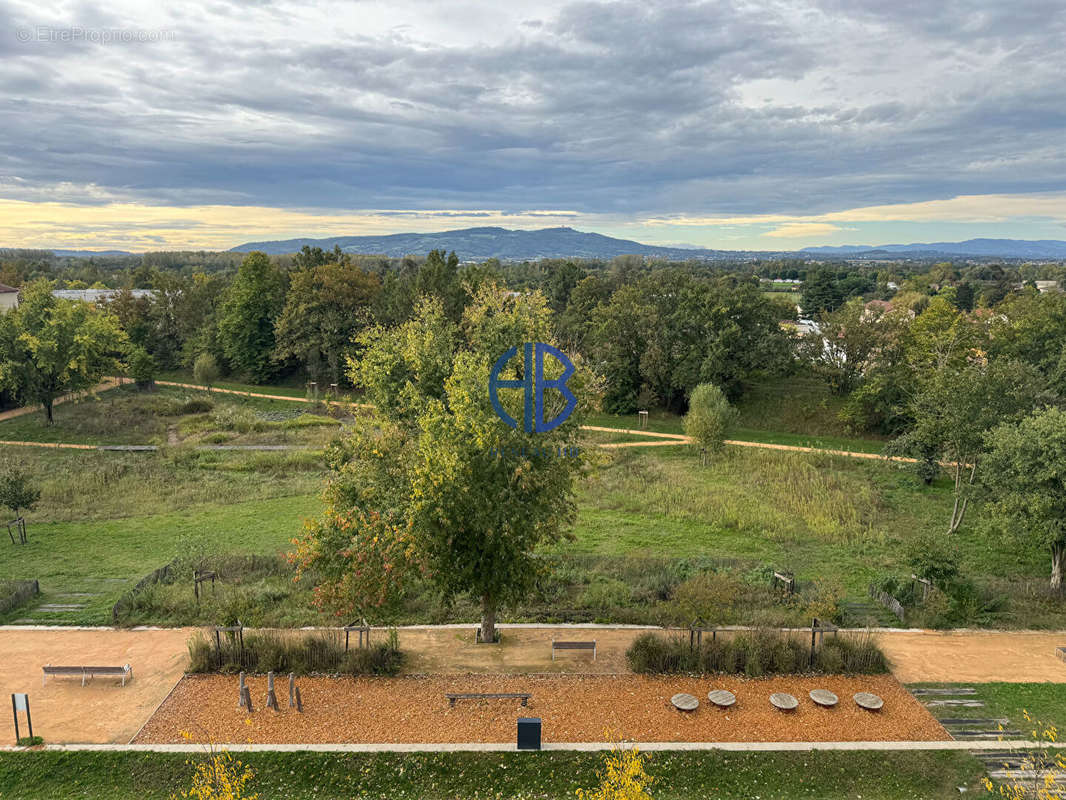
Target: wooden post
(292, 690)
(299, 702)
(272, 699)
(247, 694)
(240, 690)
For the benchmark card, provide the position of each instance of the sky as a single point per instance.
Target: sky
(734, 125)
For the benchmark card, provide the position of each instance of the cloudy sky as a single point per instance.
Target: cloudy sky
(763, 125)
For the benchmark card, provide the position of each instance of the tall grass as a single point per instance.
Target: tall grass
(755, 654)
(287, 651)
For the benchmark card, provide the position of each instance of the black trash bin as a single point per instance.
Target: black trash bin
(529, 733)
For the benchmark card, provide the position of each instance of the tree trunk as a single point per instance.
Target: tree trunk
(488, 619)
(1058, 561)
(48, 411)
(958, 511)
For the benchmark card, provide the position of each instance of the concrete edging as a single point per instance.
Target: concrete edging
(501, 747)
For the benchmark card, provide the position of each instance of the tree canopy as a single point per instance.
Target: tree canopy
(1026, 479)
(435, 483)
(50, 346)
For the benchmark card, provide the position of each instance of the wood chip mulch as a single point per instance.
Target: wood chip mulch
(589, 708)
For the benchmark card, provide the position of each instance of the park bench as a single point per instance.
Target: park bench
(574, 646)
(87, 672)
(453, 696)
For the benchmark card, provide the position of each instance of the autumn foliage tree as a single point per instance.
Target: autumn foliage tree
(434, 483)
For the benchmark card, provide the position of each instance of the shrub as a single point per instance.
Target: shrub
(196, 406)
(935, 557)
(142, 367)
(205, 369)
(280, 651)
(755, 653)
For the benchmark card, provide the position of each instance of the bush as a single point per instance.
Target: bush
(280, 651)
(205, 370)
(755, 654)
(142, 367)
(934, 556)
(196, 406)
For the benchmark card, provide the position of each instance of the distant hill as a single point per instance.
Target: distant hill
(478, 244)
(1002, 248)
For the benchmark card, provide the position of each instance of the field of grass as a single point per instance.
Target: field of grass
(796, 410)
(1045, 702)
(295, 387)
(480, 776)
(648, 520)
(125, 415)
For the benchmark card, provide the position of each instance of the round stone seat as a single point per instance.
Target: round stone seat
(784, 701)
(684, 702)
(722, 698)
(871, 702)
(824, 697)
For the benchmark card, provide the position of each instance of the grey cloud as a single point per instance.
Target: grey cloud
(620, 107)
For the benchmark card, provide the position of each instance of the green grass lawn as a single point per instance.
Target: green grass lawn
(104, 558)
(125, 415)
(295, 387)
(1045, 702)
(796, 410)
(466, 776)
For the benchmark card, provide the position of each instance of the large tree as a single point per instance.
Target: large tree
(326, 306)
(435, 483)
(246, 317)
(1026, 477)
(49, 346)
(954, 409)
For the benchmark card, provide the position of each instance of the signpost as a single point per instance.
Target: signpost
(21, 702)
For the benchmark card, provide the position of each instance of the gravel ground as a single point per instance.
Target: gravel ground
(573, 709)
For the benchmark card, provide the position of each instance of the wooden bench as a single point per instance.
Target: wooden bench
(125, 671)
(574, 646)
(452, 697)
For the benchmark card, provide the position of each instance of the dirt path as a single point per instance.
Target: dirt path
(103, 710)
(977, 656)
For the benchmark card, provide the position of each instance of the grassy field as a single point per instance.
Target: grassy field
(648, 521)
(98, 560)
(466, 776)
(1045, 702)
(125, 415)
(796, 410)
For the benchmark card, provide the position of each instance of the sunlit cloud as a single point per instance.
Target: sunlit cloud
(135, 226)
(802, 230)
(986, 208)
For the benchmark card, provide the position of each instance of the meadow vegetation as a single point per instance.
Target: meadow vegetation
(480, 776)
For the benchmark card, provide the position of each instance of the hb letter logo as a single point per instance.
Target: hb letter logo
(534, 384)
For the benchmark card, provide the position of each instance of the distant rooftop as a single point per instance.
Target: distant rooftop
(96, 295)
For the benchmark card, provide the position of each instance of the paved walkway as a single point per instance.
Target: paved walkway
(103, 710)
(974, 656)
(496, 747)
